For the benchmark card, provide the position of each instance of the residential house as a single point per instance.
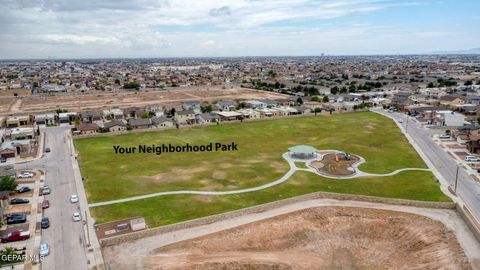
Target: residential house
(139, 123)
(452, 100)
(191, 105)
(8, 150)
(18, 121)
(162, 122)
(67, 118)
(91, 116)
(45, 119)
(225, 105)
(249, 113)
(115, 125)
(86, 128)
(255, 104)
(206, 118)
(270, 103)
(229, 116)
(113, 114)
(186, 117)
(24, 133)
(133, 112)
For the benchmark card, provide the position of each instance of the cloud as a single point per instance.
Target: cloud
(225, 10)
(134, 27)
(77, 39)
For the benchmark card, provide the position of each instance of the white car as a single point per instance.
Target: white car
(444, 136)
(77, 216)
(74, 198)
(25, 175)
(44, 250)
(400, 120)
(472, 159)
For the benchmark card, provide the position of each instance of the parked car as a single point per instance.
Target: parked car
(400, 120)
(45, 204)
(472, 159)
(46, 190)
(77, 216)
(16, 236)
(25, 175)
(74, 198)
(44, 250)
(19, 201)
(444, 136)
(23, 189)
(47, 150)
(3, 160)
(45, 222)
(15, 215)
(16, 220)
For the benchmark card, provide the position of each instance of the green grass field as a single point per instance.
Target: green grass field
(258, 161)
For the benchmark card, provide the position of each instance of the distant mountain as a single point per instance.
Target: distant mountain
(469, 51)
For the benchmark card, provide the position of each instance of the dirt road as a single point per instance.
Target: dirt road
(329, 233)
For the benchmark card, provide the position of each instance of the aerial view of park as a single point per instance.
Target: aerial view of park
(258, 161)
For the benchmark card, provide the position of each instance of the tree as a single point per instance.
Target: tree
(132, 85)
(172, 112)
(77, 120)
(8, 183)
(314, 98)
(334, 90)
(147, 115)
(325, 99)
(430, 85)
(206, 109)
(299, 101)
(317, 110)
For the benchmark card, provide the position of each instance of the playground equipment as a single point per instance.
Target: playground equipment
(343, 156)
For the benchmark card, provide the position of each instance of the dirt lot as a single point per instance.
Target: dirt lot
(100, 101)
(321, 238)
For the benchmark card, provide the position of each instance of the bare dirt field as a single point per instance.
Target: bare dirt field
(100, 101)
(321, 238)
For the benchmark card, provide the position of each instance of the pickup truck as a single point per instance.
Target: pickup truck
(16, 236)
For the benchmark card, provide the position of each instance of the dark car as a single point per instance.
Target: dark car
(47, 150)
(23, 189)
(45, 222)
(15, 215)
(19, 201)
(45, 204)
(16, 220)
(3, 160)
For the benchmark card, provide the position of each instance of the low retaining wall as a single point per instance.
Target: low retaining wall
(265, 207)
(470, 220)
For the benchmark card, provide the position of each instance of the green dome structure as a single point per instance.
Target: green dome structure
(302, 151)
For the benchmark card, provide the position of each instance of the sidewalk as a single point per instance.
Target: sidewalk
(94, 252)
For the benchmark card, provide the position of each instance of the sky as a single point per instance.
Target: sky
(222, 28)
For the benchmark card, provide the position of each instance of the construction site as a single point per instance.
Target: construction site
(105, 100)
(315, 234)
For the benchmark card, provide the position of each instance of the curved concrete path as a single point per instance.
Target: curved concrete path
(286, 176)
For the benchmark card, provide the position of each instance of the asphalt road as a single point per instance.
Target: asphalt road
(467, 188)
(64, 236)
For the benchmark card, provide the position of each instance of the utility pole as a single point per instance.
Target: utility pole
(456, 178)
(406, 125)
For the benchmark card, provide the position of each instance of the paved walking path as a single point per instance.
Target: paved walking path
(285, 177)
